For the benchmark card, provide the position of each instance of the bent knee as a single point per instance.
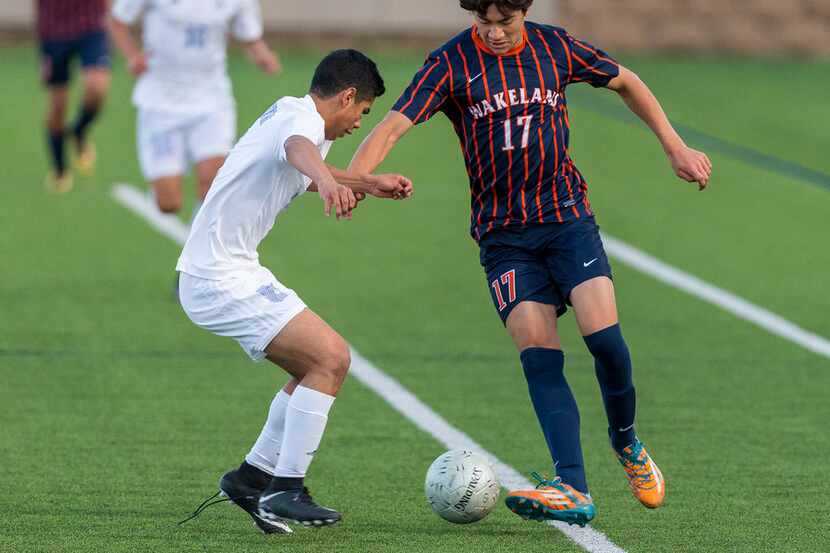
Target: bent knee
(545, 340)
(336, 358)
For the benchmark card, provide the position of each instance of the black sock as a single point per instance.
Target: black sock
(557, 412)
(85, 117)
(279, 483)
(612, 362)
(56, 149)
(254, 475)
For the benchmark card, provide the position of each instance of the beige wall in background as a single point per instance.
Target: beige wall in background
(382, 16)
(412, 17)
(741, 26)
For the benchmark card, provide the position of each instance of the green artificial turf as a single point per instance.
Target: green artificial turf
(117, 415)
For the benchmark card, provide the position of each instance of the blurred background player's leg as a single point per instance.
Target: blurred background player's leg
(55, 57)
(168, 193)
(209, 140)
(162, 156)
(95, 61)
(206, 171)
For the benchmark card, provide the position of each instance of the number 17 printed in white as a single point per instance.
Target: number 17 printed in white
(523, 121)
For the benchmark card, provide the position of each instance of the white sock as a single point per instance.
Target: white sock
(267, 447)
(305, 423)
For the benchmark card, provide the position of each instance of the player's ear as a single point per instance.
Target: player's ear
(348, 97)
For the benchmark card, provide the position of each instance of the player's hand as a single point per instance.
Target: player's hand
(390, 186)
(138, 64)
(338, 198)
(691, 166)
(269, 62)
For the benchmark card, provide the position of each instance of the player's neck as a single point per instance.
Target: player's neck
(515, 49)
(326, 107)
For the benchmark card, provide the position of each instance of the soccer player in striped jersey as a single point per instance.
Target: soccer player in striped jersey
(502, 85)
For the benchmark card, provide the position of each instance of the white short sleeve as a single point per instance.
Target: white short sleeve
(247, 23)
(308, 125)
(128, 11)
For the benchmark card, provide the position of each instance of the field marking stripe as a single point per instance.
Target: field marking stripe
(141, 204)
(741, 308)
(398, 397)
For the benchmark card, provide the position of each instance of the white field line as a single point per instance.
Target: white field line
(398, 397)
(741, 308)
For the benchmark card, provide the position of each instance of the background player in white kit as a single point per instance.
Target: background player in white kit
(186, 110)
(225, 290)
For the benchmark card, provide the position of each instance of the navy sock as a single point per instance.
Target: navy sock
(557, 412)
(612, 362)
(56, 149)
(85, 117)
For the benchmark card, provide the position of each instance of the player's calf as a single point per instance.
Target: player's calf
(614, 374)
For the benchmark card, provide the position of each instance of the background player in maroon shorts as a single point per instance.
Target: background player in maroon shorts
(70, 29)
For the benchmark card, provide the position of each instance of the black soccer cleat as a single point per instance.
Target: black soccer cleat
(295, 505)
(243, 489)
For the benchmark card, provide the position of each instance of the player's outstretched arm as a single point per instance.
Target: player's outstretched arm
(379, 143)
(123, 39)
(389, 186)
(305, 157)
(261, 55)
(688, 164)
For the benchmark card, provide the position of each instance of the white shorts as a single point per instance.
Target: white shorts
(169, 143)
(251, 308)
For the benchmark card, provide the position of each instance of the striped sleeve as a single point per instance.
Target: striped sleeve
(590, 64)
(427, 93)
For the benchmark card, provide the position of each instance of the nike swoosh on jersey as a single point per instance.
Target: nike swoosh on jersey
(594, 260)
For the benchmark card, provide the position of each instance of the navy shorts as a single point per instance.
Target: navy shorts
(542, 263)
(57, 55)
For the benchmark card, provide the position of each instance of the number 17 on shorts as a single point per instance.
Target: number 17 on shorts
(504, 287)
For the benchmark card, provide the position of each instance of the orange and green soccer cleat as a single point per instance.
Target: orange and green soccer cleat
(644, 478)
(552, 500)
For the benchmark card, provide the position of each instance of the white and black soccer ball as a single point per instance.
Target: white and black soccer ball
(461, 486)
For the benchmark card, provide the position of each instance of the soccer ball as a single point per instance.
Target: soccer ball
(461, 486)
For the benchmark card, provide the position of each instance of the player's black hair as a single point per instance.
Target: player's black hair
(344, 69)
(504, 6)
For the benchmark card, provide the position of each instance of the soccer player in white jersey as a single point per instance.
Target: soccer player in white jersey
(186, 111)
(225, 290)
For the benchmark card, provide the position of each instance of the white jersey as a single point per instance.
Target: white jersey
(186, 43)
(254, 185)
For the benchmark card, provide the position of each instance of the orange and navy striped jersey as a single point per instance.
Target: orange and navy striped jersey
(511, 117)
